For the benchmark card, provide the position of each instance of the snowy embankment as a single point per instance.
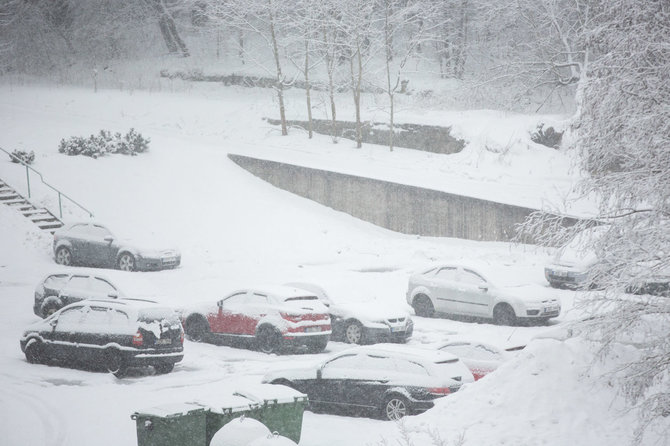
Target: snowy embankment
(235, 229)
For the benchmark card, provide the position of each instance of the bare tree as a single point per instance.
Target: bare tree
(166, 23)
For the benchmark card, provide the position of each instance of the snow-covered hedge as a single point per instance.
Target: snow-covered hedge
(21, 155)
(105, 142)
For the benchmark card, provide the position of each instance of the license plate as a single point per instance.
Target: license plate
(312, 329)
(397, 329)
(550, 309)
(163, 341)
(169, 260)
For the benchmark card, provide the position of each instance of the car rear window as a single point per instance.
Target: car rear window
(291, 299)
(158, 314)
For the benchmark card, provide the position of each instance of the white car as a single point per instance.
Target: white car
(363, 322)
(465, 291)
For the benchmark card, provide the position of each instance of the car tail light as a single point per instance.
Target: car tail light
(181, 337)
(291, 317)
(138, 339)
(439, 390)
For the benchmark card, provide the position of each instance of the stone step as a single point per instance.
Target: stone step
(9, 196)
(44, 218)
(16, 201)
(34, 211)
(54, 225)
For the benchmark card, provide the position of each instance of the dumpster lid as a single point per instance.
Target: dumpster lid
(228, 403)
(263, 393)
(170, 410)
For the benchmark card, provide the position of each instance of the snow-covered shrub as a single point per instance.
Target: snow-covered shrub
(21, 155)
(132, 143)
(105, 142)
(546, 136)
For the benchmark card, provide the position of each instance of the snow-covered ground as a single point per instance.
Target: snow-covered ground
(235, 229)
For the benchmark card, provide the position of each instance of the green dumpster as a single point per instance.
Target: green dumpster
(280, 408)
(227, 408)
(173, 424)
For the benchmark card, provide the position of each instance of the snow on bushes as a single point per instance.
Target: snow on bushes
(18, 156)
(105, 142)
(547, 136)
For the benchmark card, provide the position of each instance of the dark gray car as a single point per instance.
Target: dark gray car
(92, 244)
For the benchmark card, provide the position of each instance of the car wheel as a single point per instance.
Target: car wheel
(50, 308)
(115, 364)
(268, 340)
(503, 314)
(197, 329)
(353, 332)
(63, 256)
(162, 369)
(126, 262)
(317, 346)
(423, 306)
(35, 352)
(395, 407)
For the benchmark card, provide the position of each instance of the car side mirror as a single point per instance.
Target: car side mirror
(113, 295)
(53, 322)
(484, 287)
(109, 239)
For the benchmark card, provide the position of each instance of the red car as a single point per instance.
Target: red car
(272, 318)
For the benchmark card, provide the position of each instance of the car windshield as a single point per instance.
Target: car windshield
(57, 280)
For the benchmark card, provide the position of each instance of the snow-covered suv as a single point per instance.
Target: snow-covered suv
(272, 317)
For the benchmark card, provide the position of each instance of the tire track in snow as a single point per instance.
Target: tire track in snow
(50, 418)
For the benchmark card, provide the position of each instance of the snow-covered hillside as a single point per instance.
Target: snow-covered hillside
(233, 228)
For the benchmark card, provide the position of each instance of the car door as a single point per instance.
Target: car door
(76, 289)
(444, 289)
(229, 319)
(92, 333)
(365, 388)
(474, 296)
(329, 387)
(100, 247)
(78, 238)
(63, 336)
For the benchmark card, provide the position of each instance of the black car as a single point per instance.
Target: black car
(113, 335)
(386, 380)
(92, 244)
(60, 289)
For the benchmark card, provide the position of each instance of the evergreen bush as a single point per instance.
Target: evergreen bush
(105, 142)
(21, 155)
(547, 137)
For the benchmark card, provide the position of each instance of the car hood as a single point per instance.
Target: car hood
(368, 311)
(149, 247)
(530, 293)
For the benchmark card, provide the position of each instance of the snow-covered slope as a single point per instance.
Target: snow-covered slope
(234, 229)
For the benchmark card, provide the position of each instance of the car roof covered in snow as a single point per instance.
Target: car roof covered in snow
(278, 291)
(405, 351)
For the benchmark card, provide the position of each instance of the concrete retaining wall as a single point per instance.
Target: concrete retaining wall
(401, 208)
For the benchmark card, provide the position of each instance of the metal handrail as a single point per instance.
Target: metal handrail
(60, 194)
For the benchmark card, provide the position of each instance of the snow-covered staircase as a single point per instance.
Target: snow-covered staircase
(41, 217)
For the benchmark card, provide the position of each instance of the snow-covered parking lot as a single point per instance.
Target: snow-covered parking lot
(233, 229)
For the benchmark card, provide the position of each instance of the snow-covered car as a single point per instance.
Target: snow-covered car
(273, 317)
(384, 380)
(480, 357)
(111, 334)
(92, 244)
(60, 289)
(464, 290)
(363, 322)
(572, 264)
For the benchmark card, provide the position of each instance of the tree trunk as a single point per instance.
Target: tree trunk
(330, 65)
(168, 29)
(356, 89)
(280, 77)
(389, 56)
(307, 90)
